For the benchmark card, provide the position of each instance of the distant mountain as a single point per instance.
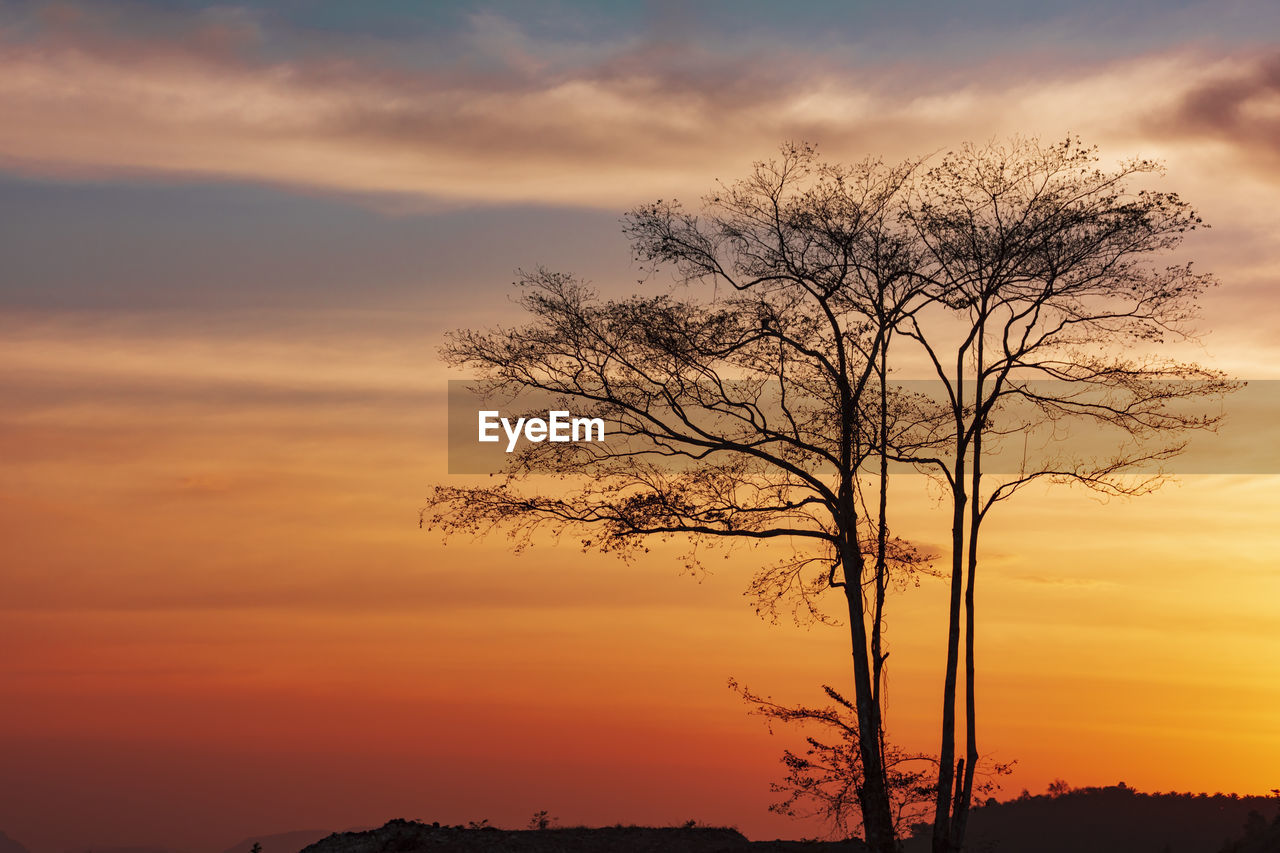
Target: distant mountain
(8, 845)
(280, 842)
(1114, 819)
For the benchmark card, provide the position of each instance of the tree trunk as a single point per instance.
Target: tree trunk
(964, 787)
(947, 749)
(964, 783)
(873, 794)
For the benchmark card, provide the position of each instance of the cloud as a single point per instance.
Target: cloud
(1238, 103)
(511, 119)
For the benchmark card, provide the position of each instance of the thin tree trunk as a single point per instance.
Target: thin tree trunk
(964, 788)
(947, 749)
(873, 794)
(878, 654)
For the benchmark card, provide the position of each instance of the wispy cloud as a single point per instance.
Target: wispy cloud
(519, 120)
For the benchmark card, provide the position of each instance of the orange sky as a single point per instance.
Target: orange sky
(226, 283)
(224, 604)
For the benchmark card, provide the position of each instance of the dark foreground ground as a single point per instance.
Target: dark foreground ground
(1118, 819)
(1114, 819)
(405, 836)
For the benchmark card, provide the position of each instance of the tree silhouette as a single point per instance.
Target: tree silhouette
(756, 402)
(741, 417)
(823, 781)
(1043, 308)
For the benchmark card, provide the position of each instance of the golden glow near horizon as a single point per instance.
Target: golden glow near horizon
(219, 616)
(222, 564)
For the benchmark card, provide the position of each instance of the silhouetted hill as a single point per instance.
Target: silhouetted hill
(281, 842)
(8, 845)
(403, 836)
(1115, 819)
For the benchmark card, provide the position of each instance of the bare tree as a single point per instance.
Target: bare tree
(755, 401)
(741, 415)
(1044, 306)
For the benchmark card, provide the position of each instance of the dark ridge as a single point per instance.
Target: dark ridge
(8, 845)
(1114, 819)
(405, 836)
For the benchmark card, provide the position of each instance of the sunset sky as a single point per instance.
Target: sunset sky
(231, 239)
